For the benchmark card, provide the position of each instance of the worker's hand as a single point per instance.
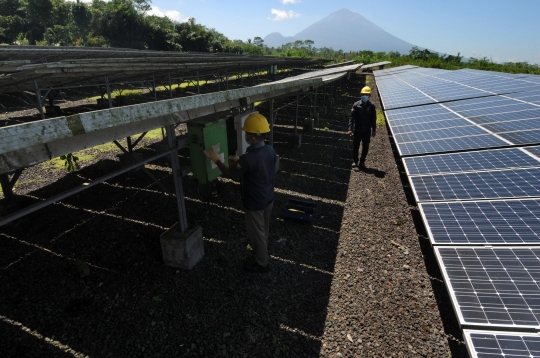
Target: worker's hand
(349, 133)
(212, 154)
(373, 133)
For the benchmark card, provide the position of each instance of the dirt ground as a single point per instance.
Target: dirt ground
(85, 276)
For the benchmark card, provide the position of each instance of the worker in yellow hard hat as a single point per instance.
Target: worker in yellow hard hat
(362, 125)
(256, 171)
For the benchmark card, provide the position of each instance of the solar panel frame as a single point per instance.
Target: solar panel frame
(482, 222)
(494, 287)
(503, 344)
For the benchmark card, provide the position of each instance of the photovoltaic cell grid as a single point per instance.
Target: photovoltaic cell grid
(489, 222)
(450, 144)
(496, 184)
(498, 122)
(470, 161)
(534, 150)
(490, 344)
(493, 286)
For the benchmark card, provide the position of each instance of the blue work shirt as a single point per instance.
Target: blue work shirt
(256, 170)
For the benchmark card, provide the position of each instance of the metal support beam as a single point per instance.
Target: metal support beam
(155, 180)
(226, 80)
(170, 86)
(316, 114)
(39, 102)
(296, 115)
(120, 146)
(154, 87)
(198, 87)
(7, 184)
(272, 122)
(177, 178)
(108, 87)
(34, 207)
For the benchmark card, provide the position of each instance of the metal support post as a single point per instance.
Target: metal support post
(170, 86)
(241, 78)
(39, 103)
(198, 88)
(154, 87)
(7, 184)
(272, 122)
(219, 81)
(316, 109)
(324, 99)
(177, 178)
(226, 80)
(296, 116)
(108, 87)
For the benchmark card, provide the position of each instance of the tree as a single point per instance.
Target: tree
(258, 41)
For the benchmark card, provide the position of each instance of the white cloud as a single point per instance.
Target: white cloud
(284, 15)
(171, 14)
(290, 1)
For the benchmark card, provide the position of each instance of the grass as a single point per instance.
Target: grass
(380, 117)
(88, 155)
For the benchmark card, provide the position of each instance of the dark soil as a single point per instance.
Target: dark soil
(85, 277)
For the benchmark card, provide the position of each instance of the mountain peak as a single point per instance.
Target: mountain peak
(341, 31)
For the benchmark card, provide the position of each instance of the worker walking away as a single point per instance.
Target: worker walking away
(256, 171)
(362, 126)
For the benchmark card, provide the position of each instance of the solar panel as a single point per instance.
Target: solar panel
(495, 287)
(427, 126)
(521, 125)
(504, 117)
(534, 150)
(451, 145)
(469, 161)
(523, 137)
(515, 107)
(465, 131)
(491, 344)
(493, 222)
(477, 103)
(512, 183)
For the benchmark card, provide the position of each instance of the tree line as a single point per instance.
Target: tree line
(126, 23)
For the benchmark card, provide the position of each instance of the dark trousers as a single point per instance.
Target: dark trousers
(364, 138)
(258, 230)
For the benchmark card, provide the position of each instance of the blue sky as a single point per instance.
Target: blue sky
(504, 31)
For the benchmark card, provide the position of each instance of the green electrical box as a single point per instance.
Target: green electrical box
(201, 135)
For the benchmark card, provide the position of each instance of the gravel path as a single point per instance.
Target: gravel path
(84, 277)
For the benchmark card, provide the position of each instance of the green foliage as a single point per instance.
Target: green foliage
(70, 162)
(125, 23)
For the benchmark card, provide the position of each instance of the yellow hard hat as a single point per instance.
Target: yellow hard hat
(256, 123)
(365, 90)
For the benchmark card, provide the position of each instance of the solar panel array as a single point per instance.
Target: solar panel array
(486, 344)
(469, 141)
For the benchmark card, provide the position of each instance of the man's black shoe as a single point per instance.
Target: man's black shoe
(362, 166)
(254, 267)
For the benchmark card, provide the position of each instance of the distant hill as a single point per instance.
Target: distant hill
(345, 30)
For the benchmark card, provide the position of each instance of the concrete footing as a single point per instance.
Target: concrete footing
(182, 250)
